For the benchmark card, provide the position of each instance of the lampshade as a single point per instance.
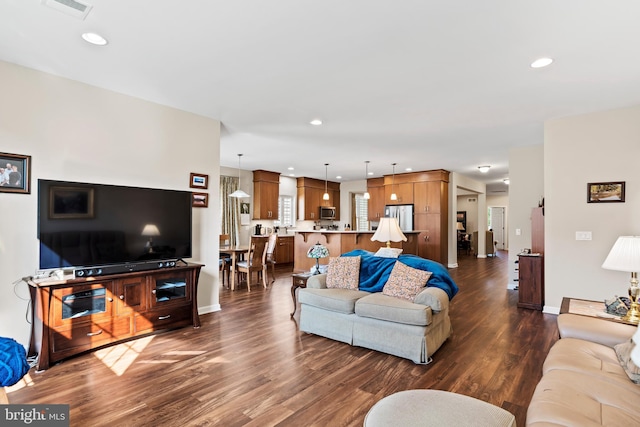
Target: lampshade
(459, 226)
(239, 193)
(388, 231)
(150, 230)
(624, 255)
(318, 251)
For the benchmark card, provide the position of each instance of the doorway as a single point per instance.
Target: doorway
(497, 224)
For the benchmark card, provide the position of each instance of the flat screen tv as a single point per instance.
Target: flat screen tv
(83, 225)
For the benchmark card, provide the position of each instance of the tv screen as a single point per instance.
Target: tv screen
(81, 224)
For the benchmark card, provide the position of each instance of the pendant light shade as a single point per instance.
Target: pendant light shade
(325, 196)
(367, 196)
(239, 193)
(394, 196)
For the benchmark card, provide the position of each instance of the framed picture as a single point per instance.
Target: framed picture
(198, 180)
(199, 200)
(15, 173)
(605, 192)
(245, 215)
(70, 202)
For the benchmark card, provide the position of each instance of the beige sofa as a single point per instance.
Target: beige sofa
(583, 382)
(412, 330)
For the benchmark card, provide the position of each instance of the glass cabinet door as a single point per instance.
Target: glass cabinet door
(82, 303)
(170, 288)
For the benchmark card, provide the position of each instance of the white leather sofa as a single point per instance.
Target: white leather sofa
(583, 382)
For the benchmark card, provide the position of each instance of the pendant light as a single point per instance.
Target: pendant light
(239, 193)
(366, 196)
(325, 196)
(394, 196)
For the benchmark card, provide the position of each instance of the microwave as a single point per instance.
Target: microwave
(327, 212)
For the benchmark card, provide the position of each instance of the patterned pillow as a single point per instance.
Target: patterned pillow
(623, 351)
(405, 282)
(344, 272)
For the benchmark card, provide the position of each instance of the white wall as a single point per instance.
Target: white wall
(81, 133)
(598, 147)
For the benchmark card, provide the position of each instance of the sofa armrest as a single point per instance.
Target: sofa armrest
(593, 329)
(318, 281)
(433, 297)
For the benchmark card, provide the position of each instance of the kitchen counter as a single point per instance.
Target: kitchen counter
(339, 242)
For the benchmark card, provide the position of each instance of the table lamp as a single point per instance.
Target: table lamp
(317, 251)
(150, 230)
(625, 256)
(388, 231)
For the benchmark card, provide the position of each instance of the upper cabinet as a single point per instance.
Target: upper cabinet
(310, 192)
(266, 190)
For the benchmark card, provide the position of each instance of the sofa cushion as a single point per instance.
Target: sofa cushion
(405, 282)
(343, 272)
(623, 351)
(340, 300)
(571, 398)
(384, 307)
(585, 356)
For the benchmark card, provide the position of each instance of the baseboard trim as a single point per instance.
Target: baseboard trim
(209, 309)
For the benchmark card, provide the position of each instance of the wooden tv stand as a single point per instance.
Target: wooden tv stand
(80, 314)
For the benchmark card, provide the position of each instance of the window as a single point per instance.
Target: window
(360, 213)
(285, 211)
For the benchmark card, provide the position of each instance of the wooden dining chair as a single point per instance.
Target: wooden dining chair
(256, 261)
(225, 259)
(271, 255)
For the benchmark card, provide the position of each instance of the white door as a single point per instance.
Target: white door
(497, 225)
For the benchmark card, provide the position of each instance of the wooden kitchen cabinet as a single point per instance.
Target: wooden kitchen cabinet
(375, 187)
(531, 282)
(284, 250)
(310, 192)
(428, 197)
(80, 314)
(404, 192)
(266, 190)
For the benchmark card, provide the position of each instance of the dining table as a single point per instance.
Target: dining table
(235, 251)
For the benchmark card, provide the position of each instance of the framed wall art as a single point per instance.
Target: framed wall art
(198, 180)
(605, 192)
(199, 200)
(70, 202)
(15, 173)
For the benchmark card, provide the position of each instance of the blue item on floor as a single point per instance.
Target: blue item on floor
(13, 362)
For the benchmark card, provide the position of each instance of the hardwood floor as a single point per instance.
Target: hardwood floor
(248, 365)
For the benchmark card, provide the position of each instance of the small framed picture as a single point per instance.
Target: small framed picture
(70, 202)
(198, 180)
(15, 173)
(199, 200)
(605, 192)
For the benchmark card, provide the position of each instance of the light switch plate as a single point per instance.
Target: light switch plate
(583, 235)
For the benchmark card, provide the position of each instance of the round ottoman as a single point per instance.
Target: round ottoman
(435, 408)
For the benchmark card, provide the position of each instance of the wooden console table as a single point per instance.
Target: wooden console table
(79, 314)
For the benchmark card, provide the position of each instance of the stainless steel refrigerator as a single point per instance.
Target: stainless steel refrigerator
(404, 214)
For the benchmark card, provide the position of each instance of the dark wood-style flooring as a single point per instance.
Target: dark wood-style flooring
(248, 365)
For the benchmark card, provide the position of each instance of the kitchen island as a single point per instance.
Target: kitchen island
(339, 242)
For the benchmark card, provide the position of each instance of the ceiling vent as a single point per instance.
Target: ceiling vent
(69, 7)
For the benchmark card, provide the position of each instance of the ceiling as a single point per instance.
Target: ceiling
(425, 84)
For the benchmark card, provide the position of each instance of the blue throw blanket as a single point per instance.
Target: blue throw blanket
(374, 271)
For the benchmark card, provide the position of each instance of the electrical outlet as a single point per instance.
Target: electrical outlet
(518, 231)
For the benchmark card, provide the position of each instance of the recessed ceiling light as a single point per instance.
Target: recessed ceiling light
(94, 38)
(338, 177)
(290, 168)
(484, 169)
(370, 173)
(408, 169)
(316, 122)
(541, 62)
(292, 174)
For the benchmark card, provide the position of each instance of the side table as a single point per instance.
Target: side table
(589, 308)
(299, 281)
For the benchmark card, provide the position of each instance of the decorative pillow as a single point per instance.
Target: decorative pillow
(388, 252)
(405, 282)
(623, 351)
(344, 272)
